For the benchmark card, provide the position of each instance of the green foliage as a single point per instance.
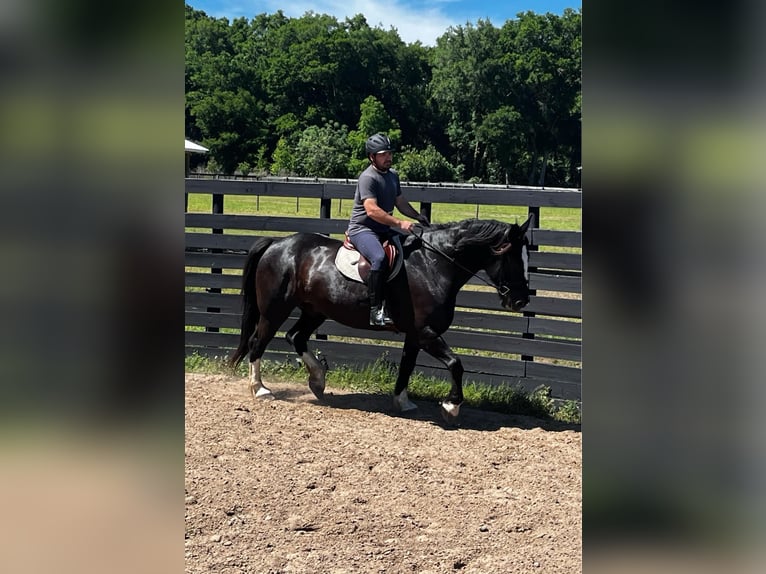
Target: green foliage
(322, 152)
(424, 165)
(196, 363)
(372, 119)
(288, 124)
(510, 97)
(466, 86)
(503, 133)
(213, 166)
(569, 412)
(224, 105)
(283, 160)
(262, 160)
(378, 377)
(502, 105)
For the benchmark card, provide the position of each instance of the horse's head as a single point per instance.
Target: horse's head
(509, 266)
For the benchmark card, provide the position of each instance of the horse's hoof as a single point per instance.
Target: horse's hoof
(407, 407)
(317, 389)
(450, 413)
(403, 404)
(262, 394)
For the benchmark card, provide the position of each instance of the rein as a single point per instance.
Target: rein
(452, 260)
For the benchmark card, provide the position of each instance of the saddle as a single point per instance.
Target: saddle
(355, 266)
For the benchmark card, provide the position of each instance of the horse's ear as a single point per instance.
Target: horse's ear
(527, 225)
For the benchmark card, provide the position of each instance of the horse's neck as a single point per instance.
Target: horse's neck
(460, 264)
(470, 261)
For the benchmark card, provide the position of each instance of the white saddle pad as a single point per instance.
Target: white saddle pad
(346, 261)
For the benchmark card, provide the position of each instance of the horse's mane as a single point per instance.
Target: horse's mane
(476, 231)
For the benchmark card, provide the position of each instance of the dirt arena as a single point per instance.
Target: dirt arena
(299, 486)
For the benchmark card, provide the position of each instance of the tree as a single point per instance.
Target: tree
(501, 131)
(223, 105)
(283, 159)
(424, 165)
(544, 61)
(372, 119)
(509, 97)
(322, 151)
(465, 86)
(499, 104)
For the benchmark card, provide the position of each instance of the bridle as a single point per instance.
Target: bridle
(502, 291)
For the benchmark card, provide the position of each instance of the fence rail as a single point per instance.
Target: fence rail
(541, 346)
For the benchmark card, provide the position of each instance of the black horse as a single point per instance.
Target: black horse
(299, 271)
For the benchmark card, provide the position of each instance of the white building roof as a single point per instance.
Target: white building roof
(192, 147)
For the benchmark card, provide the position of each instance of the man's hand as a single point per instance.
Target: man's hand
(405, 225)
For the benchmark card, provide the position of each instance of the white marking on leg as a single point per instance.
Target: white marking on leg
(403, 403)
(451, 409)
(263, 392)
(525, 259)
(257, 388)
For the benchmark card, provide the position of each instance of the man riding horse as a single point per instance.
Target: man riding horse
(377, 192)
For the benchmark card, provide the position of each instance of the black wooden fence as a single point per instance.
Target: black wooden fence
(541, 346)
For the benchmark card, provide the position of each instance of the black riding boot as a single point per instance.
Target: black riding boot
(378, 315)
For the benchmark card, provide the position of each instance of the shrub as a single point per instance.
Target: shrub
(424, 165)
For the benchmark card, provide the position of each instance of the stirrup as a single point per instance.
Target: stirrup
(378, 317)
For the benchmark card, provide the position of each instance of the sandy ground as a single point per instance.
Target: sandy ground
(295, 485)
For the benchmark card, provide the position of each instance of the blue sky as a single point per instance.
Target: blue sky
(423, 20)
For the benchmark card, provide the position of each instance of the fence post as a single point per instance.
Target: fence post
(533, 210)
(425, 209)
(325, 205)
(325, 212)
(217, 209)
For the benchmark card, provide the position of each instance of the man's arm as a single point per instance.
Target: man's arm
(375, 212)
(406, 209)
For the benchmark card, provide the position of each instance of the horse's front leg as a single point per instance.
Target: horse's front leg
(298, 337)
(402, 402)
(438, 349)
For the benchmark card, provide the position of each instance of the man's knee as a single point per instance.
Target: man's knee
(377, 261)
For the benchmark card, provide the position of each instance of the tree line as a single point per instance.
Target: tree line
(299, 96)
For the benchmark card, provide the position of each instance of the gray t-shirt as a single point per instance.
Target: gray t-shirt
(385, 188)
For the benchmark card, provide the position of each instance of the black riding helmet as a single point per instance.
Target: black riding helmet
(377, 143)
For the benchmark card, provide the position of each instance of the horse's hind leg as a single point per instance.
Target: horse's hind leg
(298, 337)
(264, 333)
(257, 388)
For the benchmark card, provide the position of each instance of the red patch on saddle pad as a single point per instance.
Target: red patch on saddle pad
(388, 248)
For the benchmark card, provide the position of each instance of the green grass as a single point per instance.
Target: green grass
(379, 378)
(563, 218)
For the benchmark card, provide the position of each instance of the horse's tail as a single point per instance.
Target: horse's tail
(250, 313)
